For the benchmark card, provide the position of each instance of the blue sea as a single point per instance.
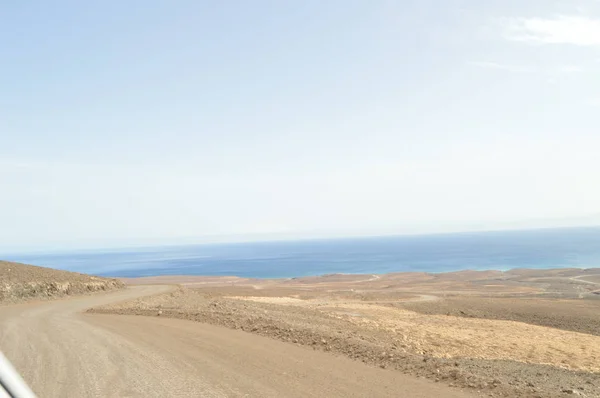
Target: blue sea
(547, 248)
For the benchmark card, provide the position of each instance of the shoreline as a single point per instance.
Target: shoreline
(580, 271)
(442, 253)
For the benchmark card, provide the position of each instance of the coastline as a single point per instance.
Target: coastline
(506, 250)
(526, 277)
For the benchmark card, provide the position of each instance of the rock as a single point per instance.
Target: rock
(159, 313)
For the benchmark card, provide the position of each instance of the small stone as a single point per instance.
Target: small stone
(159, 313)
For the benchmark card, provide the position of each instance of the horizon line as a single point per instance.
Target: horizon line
(285, 239)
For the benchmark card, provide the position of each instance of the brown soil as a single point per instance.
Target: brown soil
(21, 282)
(401, 322)
(522, 333)
(61, 352)
(567, 314)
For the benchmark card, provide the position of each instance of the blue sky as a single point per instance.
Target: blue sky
(165, 121)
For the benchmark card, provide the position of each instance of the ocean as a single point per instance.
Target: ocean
(502, 250)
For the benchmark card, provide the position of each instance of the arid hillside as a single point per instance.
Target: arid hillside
(519, 333)
(22, 282)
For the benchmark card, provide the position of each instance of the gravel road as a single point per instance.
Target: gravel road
(62, 352)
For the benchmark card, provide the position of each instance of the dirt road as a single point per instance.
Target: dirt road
(64, 353)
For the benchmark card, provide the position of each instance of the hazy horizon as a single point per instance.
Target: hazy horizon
(544, 248)
(266, 238)
(166, 123)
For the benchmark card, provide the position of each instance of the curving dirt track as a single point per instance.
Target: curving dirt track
(64, 353)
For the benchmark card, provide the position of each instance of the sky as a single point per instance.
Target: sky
(169, 121)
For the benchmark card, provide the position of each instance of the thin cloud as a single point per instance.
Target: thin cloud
(551, 72)
(575, 30)
(595, 102)
(568, 69)
(12, 164)
(503, 67)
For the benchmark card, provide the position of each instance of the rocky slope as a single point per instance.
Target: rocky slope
(21, 282)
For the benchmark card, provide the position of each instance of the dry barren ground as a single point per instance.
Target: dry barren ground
(62, 352)
(518, 333)
(22, 282)
(522, 333)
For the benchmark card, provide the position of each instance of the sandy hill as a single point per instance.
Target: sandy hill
(21, 282)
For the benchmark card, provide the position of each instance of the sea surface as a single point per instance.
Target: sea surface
(548, 248)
